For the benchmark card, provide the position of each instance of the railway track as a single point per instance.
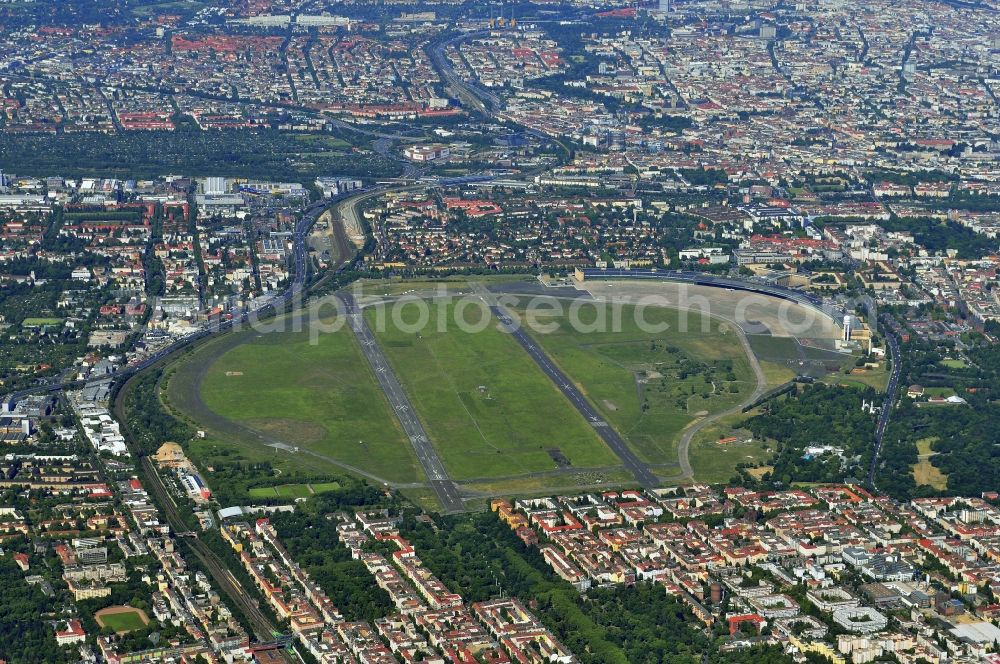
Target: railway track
(264, 629)
(262, 626)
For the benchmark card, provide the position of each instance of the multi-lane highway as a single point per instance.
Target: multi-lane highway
(643, 475)
(887, 404)
(446, 490)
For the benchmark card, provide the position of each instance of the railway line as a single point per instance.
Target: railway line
(262, 626)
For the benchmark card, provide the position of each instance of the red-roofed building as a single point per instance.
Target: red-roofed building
(736, 621)
(73, 633)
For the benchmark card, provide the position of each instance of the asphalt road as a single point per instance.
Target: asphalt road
(643, 475)
(890, 399)
(684, 445)
(446, 490)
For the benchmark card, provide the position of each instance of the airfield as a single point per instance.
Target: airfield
(536, 397)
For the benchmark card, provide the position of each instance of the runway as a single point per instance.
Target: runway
(446, 490)
(643, 475)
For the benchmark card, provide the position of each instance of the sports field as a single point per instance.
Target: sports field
(487, 408)
(292, 490)
(122, 619)
(649, 384)
(318, 396)
(40, 322)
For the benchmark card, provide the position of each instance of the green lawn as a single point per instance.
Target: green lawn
(650, 385)
(549, 484)
(773, 348)
(323, 487)
(486, 406)
(123, 622)
(716, 462)
(213, 452)
(953, 364)
(776, 374)
(318, 140)
(424, 287)
(292, 490)
(813, 358)
(39, 322)
(713, 461)
(321, 397)
(263, 492)
(877, 378)
(180, 6)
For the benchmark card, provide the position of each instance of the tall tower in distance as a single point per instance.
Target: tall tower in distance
(664, 6)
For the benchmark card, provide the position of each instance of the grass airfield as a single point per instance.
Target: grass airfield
(497, 422)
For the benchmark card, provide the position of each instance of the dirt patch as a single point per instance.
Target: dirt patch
(291, 431)
(925, 447)
(610, 405)
(234, 373)
(926, 473)
(556, 455)
(758, 473)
